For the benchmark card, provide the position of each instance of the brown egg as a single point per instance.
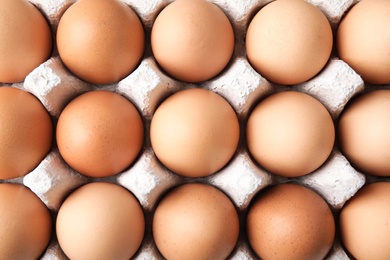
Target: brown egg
(26, 39)
(363, 132)
(290, 133)
(100, 221)
(194, 132)
(289, 41)
(100, 41)
(289, 221)
(195, 221)
(191, 40)
(26, 132)
(25, 223)
(364, 222)
(100, 133)
(363, 40)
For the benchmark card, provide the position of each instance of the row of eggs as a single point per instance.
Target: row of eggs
(194, 221)
(194, 133)
(287, 42)
(102, 220)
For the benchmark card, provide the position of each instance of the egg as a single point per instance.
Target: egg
(194, 132)
(191, 40)
(26, 132)
(195, 221)
(363, 40)
(289, 41)
(100, 133)
(100, 41)
(100, 220)
(363, 130)
(364, 222)
(290, 221)
(290, 133)
(25, 223)
(26, 39)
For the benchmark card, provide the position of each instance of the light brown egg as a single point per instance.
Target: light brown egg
(26, 39)
(194, 132)
(289, 41)
(364, 222)
(100, 133)
(290, 133)
(363, 132)
(191, 40)
(26, 132)
(289, 221)
(363, 40)
(100, 221)
(195, 221)
(25, 223)
(100, 41)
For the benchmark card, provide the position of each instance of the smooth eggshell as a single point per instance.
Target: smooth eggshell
(289, 41)
(25, 223)
(363, 132)
(289, 221)
(195, 221)
(26, 132)
(192, 40)
(364, 222)
(363, 40)
(100, 133)
(26, 39)
(100, 221)
(194, 132)
(100, 41)
(290, 133)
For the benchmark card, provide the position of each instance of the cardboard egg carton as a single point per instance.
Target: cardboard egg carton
(242, 178)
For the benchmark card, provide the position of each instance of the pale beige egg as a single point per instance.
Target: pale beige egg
(100, 220)
(194, 132)
(290, 133)
(363, 132)
(192, 40)
(363, 40)
(364, 222)
(289, 41)
(195, 221)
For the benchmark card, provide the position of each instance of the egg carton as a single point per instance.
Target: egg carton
(242, 178)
